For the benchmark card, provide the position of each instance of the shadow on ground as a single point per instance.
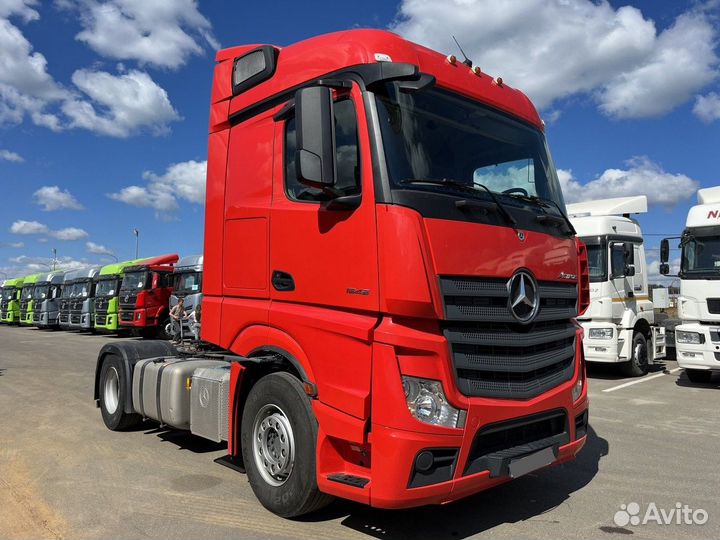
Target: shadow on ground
(523, 499)
(612, 372)
(683, 380)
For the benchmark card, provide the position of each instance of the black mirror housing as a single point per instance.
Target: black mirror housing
(664, 250)
(664, 268)
(315, 155)
(629, 270)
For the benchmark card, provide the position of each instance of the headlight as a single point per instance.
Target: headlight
(426, 402)
(692, 338)
(577, 389)
(601, 333)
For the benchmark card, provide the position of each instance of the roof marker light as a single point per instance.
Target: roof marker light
(499, 82)
(477, 71)
(382, 57)
(451, 59)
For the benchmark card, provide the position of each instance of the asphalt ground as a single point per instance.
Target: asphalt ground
(64, 475)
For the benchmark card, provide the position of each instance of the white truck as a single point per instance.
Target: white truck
(620, 322)
(697, 337)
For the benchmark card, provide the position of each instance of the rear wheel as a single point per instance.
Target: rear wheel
(163, 329)
(699, 375)
(638, 363)
(113, 388)
(279, 435)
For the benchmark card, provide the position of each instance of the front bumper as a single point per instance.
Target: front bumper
(138, 318)
(106, 322)
(607, 351)
(703, 356)
(397, 439)
(81, 321)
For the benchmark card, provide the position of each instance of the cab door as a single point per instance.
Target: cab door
(323, 260)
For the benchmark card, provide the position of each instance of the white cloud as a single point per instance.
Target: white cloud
(26, 87)
(53, 198)
(14, 245)
(69, 233)
(28, 227)
(559, 48)
(121, 104)
(184, 181)
(162, 33)
(641, 177)
(98, 249)
(654, 275)
(13, 157)
(24, 265)
(33, 227)
(707, 108)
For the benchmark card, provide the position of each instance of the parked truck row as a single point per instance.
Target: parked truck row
(134, 296)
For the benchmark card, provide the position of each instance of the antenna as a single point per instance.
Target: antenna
(467, 61)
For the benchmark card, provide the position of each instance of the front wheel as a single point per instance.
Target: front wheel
(113, 386)
(279, 436)
(701, 376)
(638, 365)
(164, 329)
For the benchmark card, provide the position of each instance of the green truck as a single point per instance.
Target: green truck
(106, 295)
(10, 301)
(26, 299)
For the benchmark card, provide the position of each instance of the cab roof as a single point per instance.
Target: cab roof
(116, 269)
(318, 56)
(14, 282)
(31, 279)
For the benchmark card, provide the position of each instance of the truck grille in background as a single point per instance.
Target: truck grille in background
(36, 316)
(495, 356)
(101, 304)
(100, 320)
(126, 316)
(128, 301)
(76, 307)
(74, 319)
(64, 318)
(713, 305)
(4, 305)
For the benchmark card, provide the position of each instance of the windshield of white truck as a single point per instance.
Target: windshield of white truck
(68, 291)
(435, 140)
(106, 287)
(188, 282)
(700, 257)
(597, 261)
(134, 281)
(82, 288)
(8, 293)
(40, 292)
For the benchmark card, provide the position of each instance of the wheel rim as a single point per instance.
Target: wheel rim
(111, 393)
(273, 445)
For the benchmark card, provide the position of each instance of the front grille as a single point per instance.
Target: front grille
(126, 316)
(4, 305)
(495, 356)
(74, 319)
(64, 318)
(100, 320)
(713, 305)
(101, 304)
(36, 316)
(497, 444)
(128, 301)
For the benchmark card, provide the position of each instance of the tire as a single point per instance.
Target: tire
(278, 422)
(637, 366)
(162, 330)
(112, 395)
(701, 376)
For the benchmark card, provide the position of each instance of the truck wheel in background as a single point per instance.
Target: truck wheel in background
(699, 375)
(112, 395)
(279, 435)
(163, 329)
(638, 363)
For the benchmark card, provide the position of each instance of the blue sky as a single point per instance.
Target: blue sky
(102, 132)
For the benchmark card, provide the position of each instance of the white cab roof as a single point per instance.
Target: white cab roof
(707, 212)
(609, 207)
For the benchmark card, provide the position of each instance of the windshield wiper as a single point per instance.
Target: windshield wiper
(466, 187)
(543, 203)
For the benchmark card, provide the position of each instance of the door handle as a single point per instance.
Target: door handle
(282, 281)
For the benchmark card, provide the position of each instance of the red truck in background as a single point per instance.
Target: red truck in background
(145, 296)
(391, 273)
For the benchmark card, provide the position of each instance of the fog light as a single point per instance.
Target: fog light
(137, 317)
(601, 333)
(577, 389)
(426, 401)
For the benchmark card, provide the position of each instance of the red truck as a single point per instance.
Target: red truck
(390, 271)
(145, 295)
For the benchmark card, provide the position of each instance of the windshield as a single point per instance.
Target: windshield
(68, 290)
(597, 261)
(40, 292)
(437, 135)
(134, 281)
(188, 282)
(8, 293)
(701, 256)
(106, 287)
(27, 292)
(82, 289)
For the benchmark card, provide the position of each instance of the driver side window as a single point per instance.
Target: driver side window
(347, 159)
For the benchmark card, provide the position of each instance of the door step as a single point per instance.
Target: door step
(349, 479)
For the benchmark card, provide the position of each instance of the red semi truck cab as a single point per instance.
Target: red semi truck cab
(388, 260)
(145, 294)
(347, 231)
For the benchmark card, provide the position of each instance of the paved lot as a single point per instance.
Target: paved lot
(64, 475)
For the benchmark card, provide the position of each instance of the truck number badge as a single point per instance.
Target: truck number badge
(523, 301)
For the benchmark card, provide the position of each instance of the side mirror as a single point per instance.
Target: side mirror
(664, 267)
(315, 128)
(664, 251)
(629, 270)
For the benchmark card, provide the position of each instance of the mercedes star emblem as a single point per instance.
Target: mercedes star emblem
(523, 300)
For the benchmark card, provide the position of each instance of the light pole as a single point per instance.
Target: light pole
(113, 256)
(136, 232)
(54, 251)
